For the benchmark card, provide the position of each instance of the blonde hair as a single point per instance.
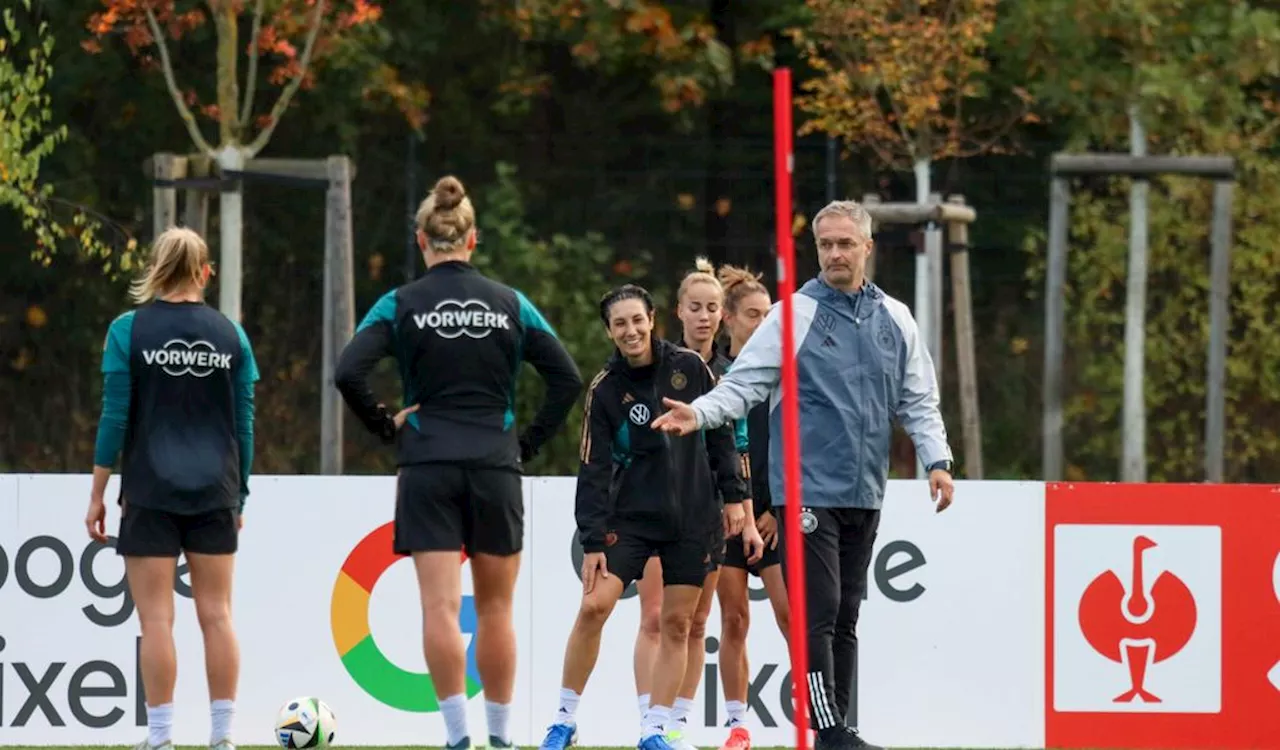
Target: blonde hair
(446, 215)
(703, 273)
(738, 283)
(178, 256)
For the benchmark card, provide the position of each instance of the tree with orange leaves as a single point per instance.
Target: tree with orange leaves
(692, 60)
(905, 80)
(290, 35)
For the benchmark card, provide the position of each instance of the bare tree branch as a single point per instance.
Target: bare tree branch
(174, 92)
(251, 78)
(285, 96)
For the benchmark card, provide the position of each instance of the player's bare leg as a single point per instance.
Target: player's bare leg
(151, 586)
(678, 606)
(494, 583)
(580, 654)
(735, 622)
(647, 638)
(211, 581)
(696, 656)
(440, 591)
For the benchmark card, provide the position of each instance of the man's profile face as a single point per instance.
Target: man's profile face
(842, 252)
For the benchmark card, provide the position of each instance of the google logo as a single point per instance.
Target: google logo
(349, 620)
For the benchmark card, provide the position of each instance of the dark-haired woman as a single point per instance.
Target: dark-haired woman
(459, 339)
(641, 493)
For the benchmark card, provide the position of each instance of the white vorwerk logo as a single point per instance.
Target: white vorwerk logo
(451, 319)
(178, 357)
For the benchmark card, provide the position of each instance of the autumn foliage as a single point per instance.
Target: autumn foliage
(690, 59)
(288, 39)
(905, 80)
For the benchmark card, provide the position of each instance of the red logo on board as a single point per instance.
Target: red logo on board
(1162, 609)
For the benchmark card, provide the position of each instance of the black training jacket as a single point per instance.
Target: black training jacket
(660, 487)
(459, 339)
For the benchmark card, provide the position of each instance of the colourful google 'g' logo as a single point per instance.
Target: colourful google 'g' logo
(349, 619)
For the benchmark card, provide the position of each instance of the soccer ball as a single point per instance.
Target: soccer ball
(305, 723)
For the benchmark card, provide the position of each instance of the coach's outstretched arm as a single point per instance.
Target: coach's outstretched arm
(591, 502)
(917, 407)
(543, 350)
(371, 344)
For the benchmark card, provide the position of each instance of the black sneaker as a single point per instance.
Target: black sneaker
(842, 738)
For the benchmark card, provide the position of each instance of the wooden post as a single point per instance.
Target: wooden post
(966, 357)
(195, 208)
(339, 307)
(164, 198)
(869, 200)
(933, 253)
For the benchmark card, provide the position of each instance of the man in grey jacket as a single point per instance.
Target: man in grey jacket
(860, 363)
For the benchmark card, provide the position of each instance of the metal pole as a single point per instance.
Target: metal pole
(1219, 295)
(1133, 465)
(1054, 315)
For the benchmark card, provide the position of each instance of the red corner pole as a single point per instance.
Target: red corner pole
(783, 162)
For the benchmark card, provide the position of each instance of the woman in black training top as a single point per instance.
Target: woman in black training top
(641, 492)
(459, 339)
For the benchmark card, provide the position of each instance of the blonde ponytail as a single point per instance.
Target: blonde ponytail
(177, 258)
(703, 273)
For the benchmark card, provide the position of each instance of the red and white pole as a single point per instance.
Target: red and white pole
(783, 164)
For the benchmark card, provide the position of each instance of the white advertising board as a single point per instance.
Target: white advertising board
(952, 631)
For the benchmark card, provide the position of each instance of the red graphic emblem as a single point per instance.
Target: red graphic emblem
(1162, 605)
(1134, 627)
(610, 538)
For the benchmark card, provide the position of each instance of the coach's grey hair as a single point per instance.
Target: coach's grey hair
(846, 209)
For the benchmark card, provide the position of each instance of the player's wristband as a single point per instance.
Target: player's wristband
(944, 465)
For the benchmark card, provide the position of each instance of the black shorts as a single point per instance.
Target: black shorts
(717, 542)
(684, 561)
(734, 557)
(443, 508)
(146, 532)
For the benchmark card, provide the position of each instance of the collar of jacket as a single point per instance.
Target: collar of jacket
(717, 350)
(661, 349)
(818, 288)
(456, 266)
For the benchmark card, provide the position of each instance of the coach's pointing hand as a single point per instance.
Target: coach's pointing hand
(680, 418)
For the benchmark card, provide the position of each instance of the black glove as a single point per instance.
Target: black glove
(527, 450)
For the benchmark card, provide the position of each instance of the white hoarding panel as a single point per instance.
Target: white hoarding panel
(952, 631)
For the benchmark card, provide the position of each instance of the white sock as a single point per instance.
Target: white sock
(454, 709)
(737, 712)
(568, 707)
(680, 711)
(655, 721)
(221, 713)
(496, 715)
(159, 724)
(643, 702)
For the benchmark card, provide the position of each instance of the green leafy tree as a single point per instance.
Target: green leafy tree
(28, 137)
(1205, 76)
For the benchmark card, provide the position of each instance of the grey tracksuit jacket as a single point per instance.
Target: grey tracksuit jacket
(861, 363)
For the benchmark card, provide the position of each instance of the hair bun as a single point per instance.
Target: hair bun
(449, 193)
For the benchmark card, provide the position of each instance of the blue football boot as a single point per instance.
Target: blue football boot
(560, 737)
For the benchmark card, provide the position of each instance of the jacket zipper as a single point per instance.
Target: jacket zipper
(671, 469)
